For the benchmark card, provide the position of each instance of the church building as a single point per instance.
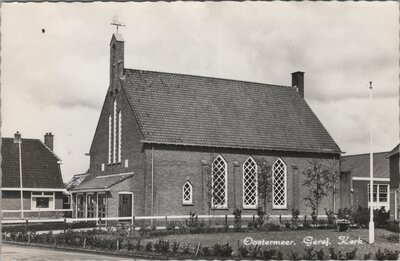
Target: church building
(171, 144)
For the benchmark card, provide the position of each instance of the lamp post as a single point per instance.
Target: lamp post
(371, 175)
(17, 139)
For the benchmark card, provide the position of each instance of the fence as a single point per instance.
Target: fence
(161, 222)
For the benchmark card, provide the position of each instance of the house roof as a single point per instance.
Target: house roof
(394, 151)
(358, 165)
(40, 167)
(202, 111)
(101, 182)
(76, 180)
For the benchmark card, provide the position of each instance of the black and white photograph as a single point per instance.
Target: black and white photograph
(200, 130)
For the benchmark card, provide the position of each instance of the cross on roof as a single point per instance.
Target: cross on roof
(117, 24)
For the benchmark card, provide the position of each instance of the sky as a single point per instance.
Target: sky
(56, 80)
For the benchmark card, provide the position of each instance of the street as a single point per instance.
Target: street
(16, 252)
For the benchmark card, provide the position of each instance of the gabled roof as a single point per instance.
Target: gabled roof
(40, 168)
(358, 165)
(202, 111)
(394, 151)
(101, 182)
(76, 180)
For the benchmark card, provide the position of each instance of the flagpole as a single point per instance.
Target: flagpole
(371, 173)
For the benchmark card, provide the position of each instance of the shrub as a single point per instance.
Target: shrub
(217, 250)
(368, 256)
(381, 217)
(320, 254)
(273, 225)
(226, 250)
(243, 251)
(352, 254)
(175, 247)
(205, 250)
(255, 251)
(171, 225)
(309, 254)
(332, 254)
(331, 216)
(149, 246)
(259, 224)
(269, 254)
(293, 255)
(186, 249)
(238, 219)
(138, 245)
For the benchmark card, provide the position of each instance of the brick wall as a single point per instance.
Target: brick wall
(360, 192)
(173, 166)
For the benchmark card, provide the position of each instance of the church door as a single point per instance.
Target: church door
(125, 205)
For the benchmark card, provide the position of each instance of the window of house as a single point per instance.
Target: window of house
(109, 138)
(279, 198)
(219, 183)
(101, 204)
(66, 199)
(380, 195)
(79, 206)
(250, 192)
(42, 200)
(90, 206)
(187, 194)
(119, 136)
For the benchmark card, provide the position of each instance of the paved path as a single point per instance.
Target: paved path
(16, 252)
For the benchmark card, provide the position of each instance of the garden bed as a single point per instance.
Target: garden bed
(327, 243)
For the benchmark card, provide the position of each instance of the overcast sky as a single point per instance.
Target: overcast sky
(56, 81)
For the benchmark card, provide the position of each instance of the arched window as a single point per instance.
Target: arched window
(187, 194)
(119, 136)
(115, 132)
(279, 187)
(109, 138)
(219, 183)
(250, 192)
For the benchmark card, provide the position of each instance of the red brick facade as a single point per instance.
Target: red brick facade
(160, 171)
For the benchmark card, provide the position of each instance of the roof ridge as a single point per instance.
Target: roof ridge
(212, 77)
(367, 153)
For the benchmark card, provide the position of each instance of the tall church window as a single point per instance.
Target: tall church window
(219, 183)
(114, 131)
(279, 187)
(119, 135)
(109, 138)
(250, 192)
(187, 194)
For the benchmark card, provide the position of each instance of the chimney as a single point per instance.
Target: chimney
(17, 137)
(49, 140)
(116, 60)
(298, 82)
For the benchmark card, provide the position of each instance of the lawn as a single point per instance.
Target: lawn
(323, 238)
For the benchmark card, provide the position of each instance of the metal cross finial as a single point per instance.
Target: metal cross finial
(117, 24)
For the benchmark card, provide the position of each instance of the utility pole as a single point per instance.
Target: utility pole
(17, 139)
(371, 173)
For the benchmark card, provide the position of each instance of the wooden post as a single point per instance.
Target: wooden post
(29, 238)
(133, 223)
(84, 242)
(226, 220)
(100, 222)
(197, 249)
(166, 222)
(117, 245)
(280, 219)
(26, 226)
(254, 218)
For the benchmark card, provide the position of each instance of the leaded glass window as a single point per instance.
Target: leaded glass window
(250, 192)
(219, 183)
(279, 195)
(187, 194)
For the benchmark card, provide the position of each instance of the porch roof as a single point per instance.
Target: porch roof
(102, 182)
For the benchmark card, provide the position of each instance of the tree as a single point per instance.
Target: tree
(319, 180)
(264, 180)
